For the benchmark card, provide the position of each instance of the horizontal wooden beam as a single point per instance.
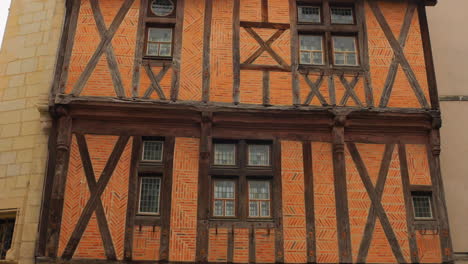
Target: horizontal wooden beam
(264, 25)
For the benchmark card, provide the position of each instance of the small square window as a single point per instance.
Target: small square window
(259, 199)
(150, 190)
(159, 42)
(224, 154)
(259, 155)
(308, 14)
(422, 206)
(344, 51)
(311, 49)
(224, 202)
(152, 151)
(342, 15)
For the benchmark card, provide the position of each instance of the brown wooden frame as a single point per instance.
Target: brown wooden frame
(145, 47)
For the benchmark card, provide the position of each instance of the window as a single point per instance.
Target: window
(224, 154)
(342, 15)
(162, 8)
(259, 199)
(241, 173)
(311, 50)
(328, 41)
(308, 14)
(259, 155)
(422, 205)
(224, 198)
(152, 150)
(7, 225)
(159, 42)
(344, 51)
(150, 190)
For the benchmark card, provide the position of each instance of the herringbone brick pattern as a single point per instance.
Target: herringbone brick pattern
(294, 226)
(418, 166)
(165, 83)
(241, 245)
(191, 71)
(264, 246)
(428, 247)
(282, 46)
(380, 250)
(184, 200)
(217, 246)
(114, 198)
(221, 52)
(278, 11)
(251, 10)
(325, 208)
(146, 243)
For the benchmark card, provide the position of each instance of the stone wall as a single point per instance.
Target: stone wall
(27, 60)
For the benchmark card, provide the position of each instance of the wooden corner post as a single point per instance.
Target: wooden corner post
(62, 149)
(341, 196)
(438, 189)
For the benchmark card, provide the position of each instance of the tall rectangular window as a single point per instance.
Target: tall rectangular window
(150, 190)
(259, 199)
(311, 49)
(224, 198)
(344, 51)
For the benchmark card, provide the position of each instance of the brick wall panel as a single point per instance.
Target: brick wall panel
(380, 250)
(325, 209)
(294, 230)
(221, 52)
(428, 247)
(192, 53)
(251, 10)
(184, 200)
(264, 246)
(251, 87)
(241, 245)
(418, 165)
(217, 250)
(278, 11)
(146, 243)
(280, 88)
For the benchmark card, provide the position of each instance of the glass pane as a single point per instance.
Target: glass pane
(253, 209)
(230, 208)
(225, 154)
(149, 195)
(218, 208)
(160, 34)
(308, 14)
(162, 7)
(422, 206)
(318, 58)
(344, 44)
(165, 50)
(153, 49)
(152, 150)
(305, 58)
(259, 155)
(311, 42)
(339, 59)
(342, 15)
(224, 190)
(259, 190)
(351, 59)
(265, 208)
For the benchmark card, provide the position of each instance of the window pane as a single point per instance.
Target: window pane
(149, 195)
(165, 50)
(259, 155)
(305, 58)
(253, 209)
(308, 14)
(422, 207)
(311, 49)
(225, 154)
(344, 44)
(342, 15)
(160, 34)
(318, 58)
(152, 150)
(153, 49)
(230, 208)
(259, 190)
(339, 59)
(311, 42)
(224, 190)
(218, 208)
(162, 7)
(345, 52)
(351, 59)
(265, 208)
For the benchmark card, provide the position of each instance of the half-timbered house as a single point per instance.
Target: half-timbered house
(244, 131)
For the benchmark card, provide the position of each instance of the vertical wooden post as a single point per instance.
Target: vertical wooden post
(309, 201)
(204, 188)
(294, 53)
(62, 149)
(438, 189)
(236, 51)
(207, 51)
(278, 202)
(341, 196)
(176, 57)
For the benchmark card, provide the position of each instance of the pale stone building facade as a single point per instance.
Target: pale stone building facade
(27, 60)
(447, 21)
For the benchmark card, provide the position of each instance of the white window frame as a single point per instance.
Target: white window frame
(224, 200)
